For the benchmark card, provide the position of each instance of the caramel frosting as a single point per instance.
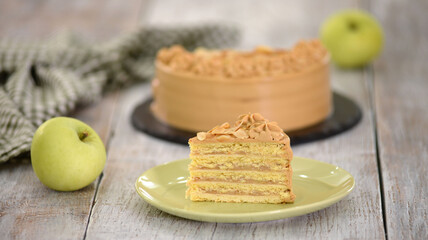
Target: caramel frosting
(248, 127)
(262, 61)
(194, 91)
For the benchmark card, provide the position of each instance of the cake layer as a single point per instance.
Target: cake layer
(241, 147)
(238, 162)
(256, 177)
(284, 197)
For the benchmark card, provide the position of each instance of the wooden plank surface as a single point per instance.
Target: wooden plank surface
(96, 20)
(29, 210)
(120, 213)
(401, 84)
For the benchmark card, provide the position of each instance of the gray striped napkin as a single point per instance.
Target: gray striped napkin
(42, 80)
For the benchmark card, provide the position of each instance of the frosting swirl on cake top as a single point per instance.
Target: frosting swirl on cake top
(262, 61)
(248, 126)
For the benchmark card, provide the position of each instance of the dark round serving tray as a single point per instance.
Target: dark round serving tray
(346, 115)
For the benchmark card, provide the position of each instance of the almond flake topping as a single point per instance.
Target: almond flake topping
(201, 136)
(248, 126)
(262, 61)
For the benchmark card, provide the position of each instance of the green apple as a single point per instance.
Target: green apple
(67, 154)
(353, 38)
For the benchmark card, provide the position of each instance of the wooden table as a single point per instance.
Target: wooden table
(387, 152)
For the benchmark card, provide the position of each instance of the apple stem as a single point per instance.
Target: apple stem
(353, 26)
(83, 135)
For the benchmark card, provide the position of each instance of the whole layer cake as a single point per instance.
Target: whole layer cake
(196, 90)
(249, 162)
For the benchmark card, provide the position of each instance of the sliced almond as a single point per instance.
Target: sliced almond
(238, 124)
(241, 133)
(245, 119)
(201, 136)
(217, 130)
(273, 126)
(230, 130)
(213, 129)
(258, 117)
(223, 138)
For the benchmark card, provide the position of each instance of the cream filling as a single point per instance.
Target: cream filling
(253, 193)
(235, 188)
(239, 153)
(241, 180)
(239, 168)
(236, 168)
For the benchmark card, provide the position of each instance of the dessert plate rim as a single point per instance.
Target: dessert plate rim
(169, 177)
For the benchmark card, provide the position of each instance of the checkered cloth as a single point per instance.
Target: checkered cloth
(42, 80)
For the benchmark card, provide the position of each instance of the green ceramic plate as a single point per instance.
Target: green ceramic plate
(316, 184)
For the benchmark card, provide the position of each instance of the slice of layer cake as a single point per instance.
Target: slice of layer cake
(249, 162)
